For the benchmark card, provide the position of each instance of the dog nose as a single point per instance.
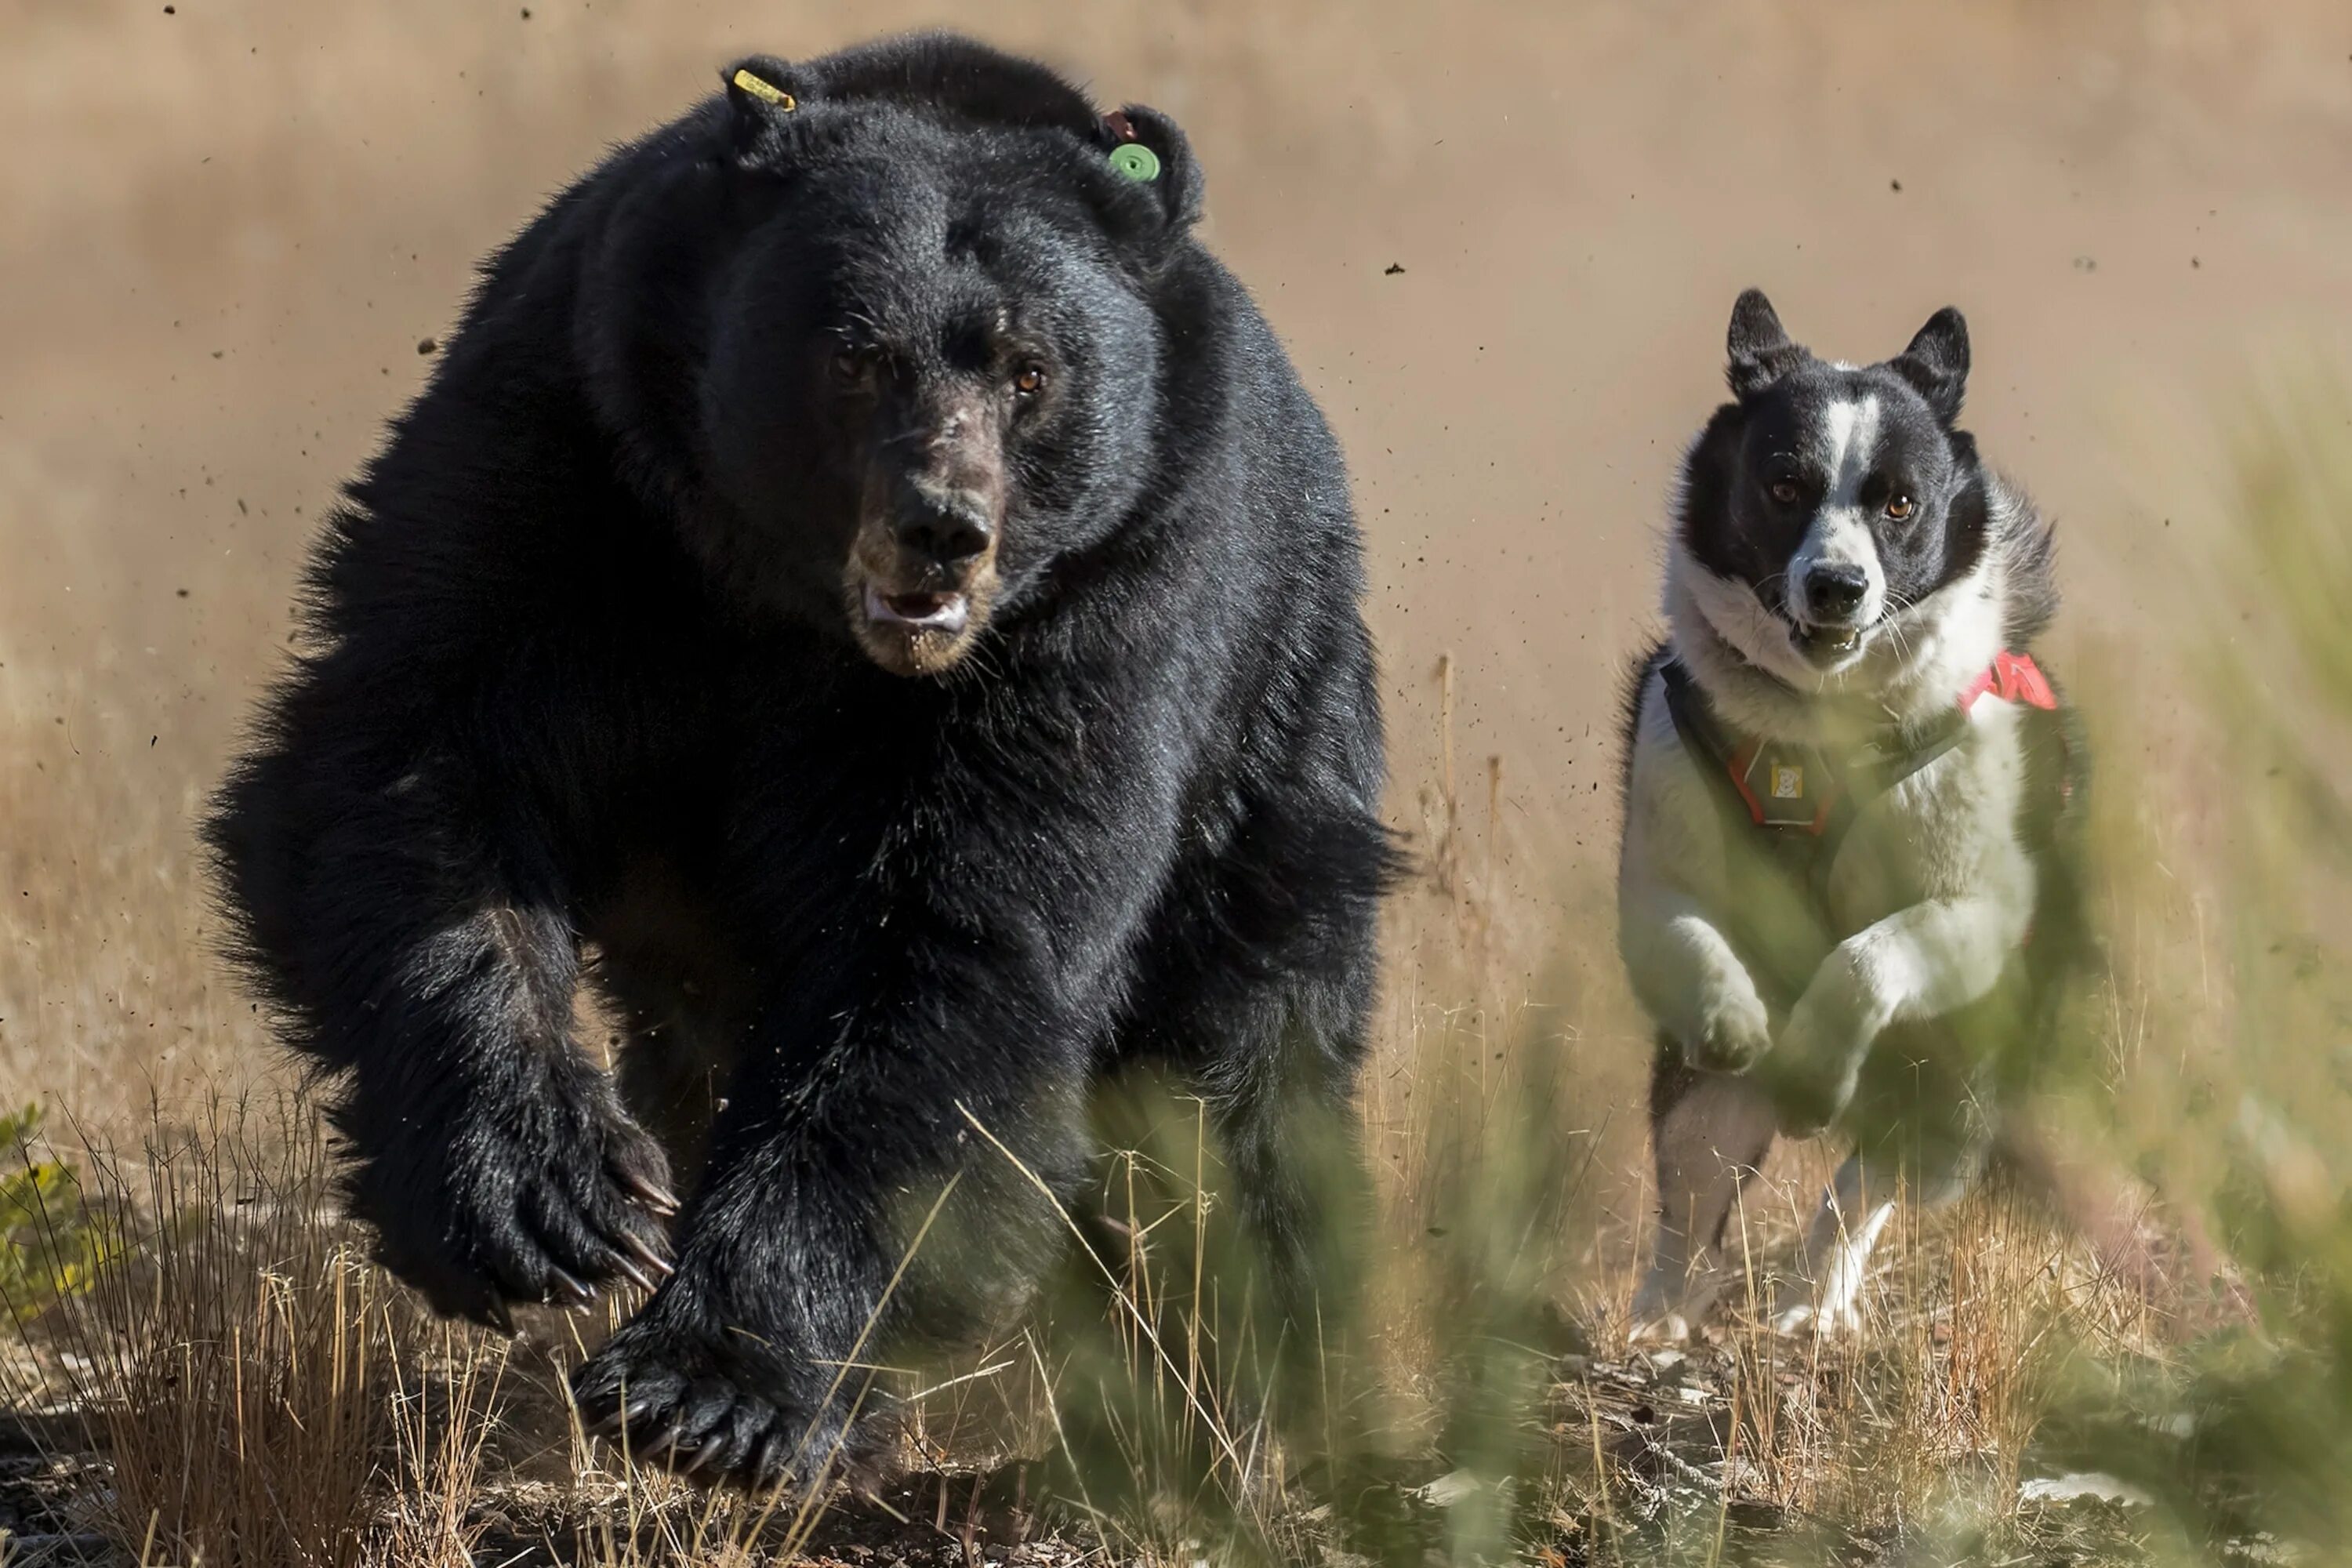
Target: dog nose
(1836, 588)
(945, 530)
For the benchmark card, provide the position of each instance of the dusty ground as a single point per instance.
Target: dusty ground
(1502, 240)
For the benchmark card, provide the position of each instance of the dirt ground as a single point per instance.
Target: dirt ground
(1502, 240)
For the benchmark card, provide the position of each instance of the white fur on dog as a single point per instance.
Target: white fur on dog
(1931, 881)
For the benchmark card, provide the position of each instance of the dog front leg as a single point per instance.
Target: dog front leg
(1918, 962)
(1692, 983)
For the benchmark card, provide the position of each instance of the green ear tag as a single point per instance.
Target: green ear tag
(1137, 162)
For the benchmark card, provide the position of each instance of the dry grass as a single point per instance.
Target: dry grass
(265, 1397)
(229, 1358)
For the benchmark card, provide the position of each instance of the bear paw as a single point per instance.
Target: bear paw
(676, 1402)
(537, 1199)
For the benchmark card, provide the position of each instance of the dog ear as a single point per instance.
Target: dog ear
(1937, 362)
(1761, 351)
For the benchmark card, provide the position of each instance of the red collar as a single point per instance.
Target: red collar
(2013, 677)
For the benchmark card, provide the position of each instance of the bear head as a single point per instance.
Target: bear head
(886, 331)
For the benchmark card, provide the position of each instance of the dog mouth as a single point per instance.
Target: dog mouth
(947, 613)
(1825, 644)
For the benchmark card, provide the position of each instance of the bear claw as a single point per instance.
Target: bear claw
(708, 1427)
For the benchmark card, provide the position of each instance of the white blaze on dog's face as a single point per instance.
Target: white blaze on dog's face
(1829, 499)
(1839, 557)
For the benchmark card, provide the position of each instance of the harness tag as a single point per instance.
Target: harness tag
(1785, 787)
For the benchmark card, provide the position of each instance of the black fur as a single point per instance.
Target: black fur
(581, 669)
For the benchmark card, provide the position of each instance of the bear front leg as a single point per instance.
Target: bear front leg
(943, 954)
(389, 911)
(871, 1188)
(495, 1160)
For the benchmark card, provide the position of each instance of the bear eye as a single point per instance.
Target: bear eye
(1029, 380)
(852, 364)
(1785, 491)
(1900, 507)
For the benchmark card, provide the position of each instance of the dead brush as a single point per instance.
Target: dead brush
(443, 1409)
(236, 1358)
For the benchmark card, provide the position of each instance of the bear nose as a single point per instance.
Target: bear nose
(1836, 588)
(944, 529)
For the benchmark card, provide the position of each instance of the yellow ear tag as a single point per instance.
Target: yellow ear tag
(766, 91)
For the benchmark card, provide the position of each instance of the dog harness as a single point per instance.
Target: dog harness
(1806, 800)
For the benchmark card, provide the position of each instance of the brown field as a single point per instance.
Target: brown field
(228, 226)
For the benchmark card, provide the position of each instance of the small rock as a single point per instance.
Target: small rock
(2083, 1484)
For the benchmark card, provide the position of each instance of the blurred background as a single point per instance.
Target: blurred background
(1502, 241)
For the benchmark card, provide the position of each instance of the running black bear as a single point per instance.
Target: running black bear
(865, 589)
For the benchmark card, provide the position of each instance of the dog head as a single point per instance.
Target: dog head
(1829, 502)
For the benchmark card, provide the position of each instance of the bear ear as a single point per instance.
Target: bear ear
(1760, 349)
(1937, 362)
(761, 97)
(1151, 153)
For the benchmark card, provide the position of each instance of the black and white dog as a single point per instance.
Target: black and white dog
(1844, 784)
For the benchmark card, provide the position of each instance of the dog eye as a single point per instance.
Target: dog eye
(1785, 491)
(1029, 380)
(852, 364)
(1899, 507)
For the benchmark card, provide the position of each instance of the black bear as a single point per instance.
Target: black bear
(865, 588)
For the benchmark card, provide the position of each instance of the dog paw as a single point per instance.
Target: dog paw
(1668, 1328)
(1813, 1072)
(674, 1397)
(1808, 1102)
(1734, 1034)
(540, 1196)
(1801, 1319)
(1669, 1304)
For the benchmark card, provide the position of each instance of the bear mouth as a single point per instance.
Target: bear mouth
(947, 613)
(916, 631)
